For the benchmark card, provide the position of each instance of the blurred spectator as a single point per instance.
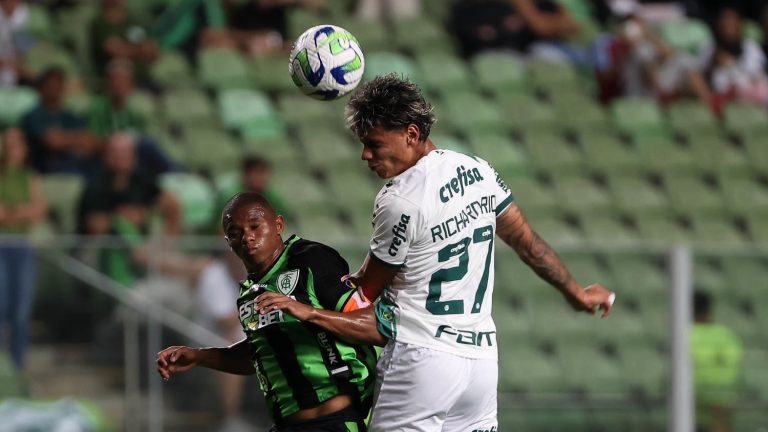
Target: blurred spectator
(525, 26)
(261, 26)
(21, 206)
(118, 199)
(734, 65)
(638, 63)
(114, 34)
(187, 25)
(388, 9)
(216, 299)
(14, 42)
(59, 140)
(256, 176)
(764, 28)
(110, 112)
(717, 354)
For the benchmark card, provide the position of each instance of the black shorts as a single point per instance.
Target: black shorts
(347, 420)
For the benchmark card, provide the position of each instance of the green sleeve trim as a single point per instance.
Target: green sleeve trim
(504, 204)
(343, 301)
(311, 291)
(392, 266)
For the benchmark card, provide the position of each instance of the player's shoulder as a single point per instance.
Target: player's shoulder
(314, 255)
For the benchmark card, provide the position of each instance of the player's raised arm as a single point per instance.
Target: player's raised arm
(234, 359)
(513, 228)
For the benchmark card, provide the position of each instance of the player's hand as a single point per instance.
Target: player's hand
(176, 359)
(271, 301)
(596, 297)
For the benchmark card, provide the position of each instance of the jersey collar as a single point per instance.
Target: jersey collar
(280, 261)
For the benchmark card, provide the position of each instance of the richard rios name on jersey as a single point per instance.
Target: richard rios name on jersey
(436, 222)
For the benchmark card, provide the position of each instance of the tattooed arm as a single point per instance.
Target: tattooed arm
(513, 228)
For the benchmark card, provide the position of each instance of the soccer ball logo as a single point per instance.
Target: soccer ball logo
(326, 62)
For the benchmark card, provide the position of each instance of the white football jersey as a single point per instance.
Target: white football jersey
(436, 222)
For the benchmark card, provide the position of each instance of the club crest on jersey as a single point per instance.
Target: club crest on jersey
(286, 281)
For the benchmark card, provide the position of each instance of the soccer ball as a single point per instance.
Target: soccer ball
(326, 62)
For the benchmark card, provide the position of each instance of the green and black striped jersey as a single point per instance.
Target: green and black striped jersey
(300, 365)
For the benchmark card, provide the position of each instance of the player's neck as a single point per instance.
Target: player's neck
(258, 270)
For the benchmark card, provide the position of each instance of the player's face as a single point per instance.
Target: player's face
(390, 152)
(254, 235)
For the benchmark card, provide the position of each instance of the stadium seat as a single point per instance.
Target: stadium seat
(709, 277)
(741, 321)
(745, 195)
(714, 154)
(638, 116)
(327, 148)
(301, 19)
(371, 34)
(607, 229)
(296, 108)
(573, 419)
(605, 152)
(579, 112)
(483, 116)
(635, 195)
(744, 118)
(281, 152)
(195, 195)
(324, 228)
(421, 34)
(509, 159)
(46, 54)
(222, 69)
(758, 228)
(525, 368)
(549, 151)
(499, 73)
(638, 274)
(210, 150)
(144, 104)
(690, 35)
(443, 73)
(719, 230)
(689, 195)
(757, 151)
(63, 192)
(581, 195)
(664, 228)
(551, 77)
(749, 419)
(554, 229)
(754, 376)
(270, 73)
(307, 195)
(662, 155)
(187, 107)
(249, 111)
(512, 324)
(39, 24)
(591, 370)
(449, 141)
(742, 272)
(686, 116)
(171, 71)
(644, 368)
(523, 112)
(382, 62)
(15, 102)
(532, 195)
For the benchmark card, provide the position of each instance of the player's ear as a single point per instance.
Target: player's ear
(412, 134)
(280, 224)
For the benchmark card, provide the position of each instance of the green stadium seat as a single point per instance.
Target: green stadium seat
(714, 154)
(606, 152)
(591, 370)
(187, 107)
(45, 54)
(270, 73)
(662, 155)
(744, 273)
(63, 192)
(625, 326)
(483, 117)
(744, 118)
(757, 150)
(512, 324)
(749, 419)
(79, 102)
(300, 19)
(382, 63)
(608, 230)
(754, 376)
(554, 229)
(551, 76)
(509, 159)
(758, 228)
(443, 73)
(209, 149)
(144, 104)
(689, 35)
(371, 34)
(515, 280)
(707, 276)
(306, 193)
(325, 228)
(585, 268)
(662, 228)
(223, 69)
(524, 112)
(499, 73)
(328, 148)
(15, 102)
(281, 152)
(421, 34)
(687, 116)
(297, 109)
(172, 71)
(557, 419)
(744, 324)
(638, 274)
(745, 195)
(716, 230)
(638, 116)
(532, 195)
(449, 141)
(39, 23)
(196, 196)
(689, 195)
(645, 368)
(550, 151)
(635, 195)
(249, 110)
(525, 368)
(579, 112)
(581, 195)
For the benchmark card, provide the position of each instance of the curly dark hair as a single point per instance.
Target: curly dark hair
(392, 102)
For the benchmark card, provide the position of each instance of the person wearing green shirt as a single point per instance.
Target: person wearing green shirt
(21, 206)
(717, 353)
(110, 112)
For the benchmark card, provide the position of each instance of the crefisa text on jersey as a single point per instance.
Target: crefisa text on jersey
(399, 232)
(456, 185)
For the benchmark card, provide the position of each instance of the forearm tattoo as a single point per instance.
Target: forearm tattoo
(533, 250)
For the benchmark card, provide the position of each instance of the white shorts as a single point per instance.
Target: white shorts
(424, 390)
